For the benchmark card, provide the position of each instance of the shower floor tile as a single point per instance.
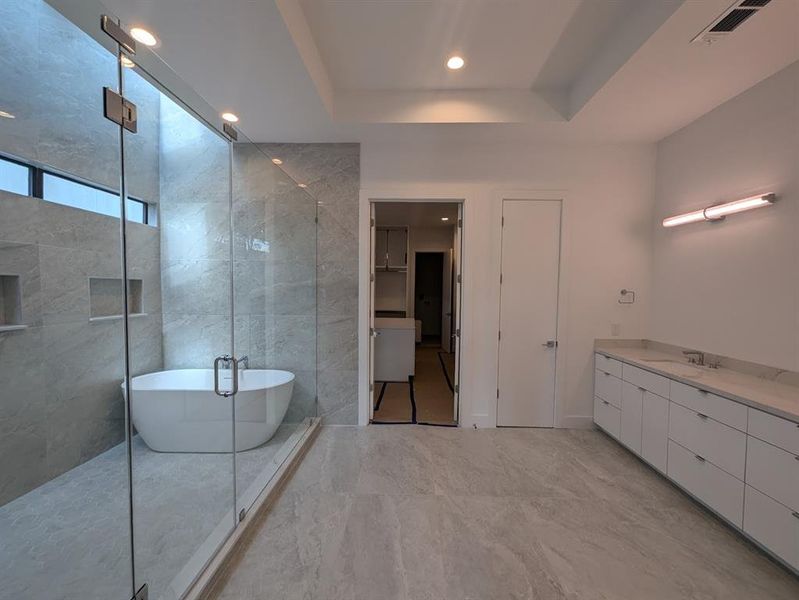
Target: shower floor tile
(69, 538)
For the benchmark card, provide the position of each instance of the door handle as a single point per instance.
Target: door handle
(550, 344)
(227, 359)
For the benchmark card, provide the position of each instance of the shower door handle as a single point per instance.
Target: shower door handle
(227, 359)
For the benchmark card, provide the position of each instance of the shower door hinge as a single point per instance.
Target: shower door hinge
(230, 131)
(142, 594)
(119, 35)
(119, 110)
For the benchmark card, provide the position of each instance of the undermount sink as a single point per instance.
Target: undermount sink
(680, 369)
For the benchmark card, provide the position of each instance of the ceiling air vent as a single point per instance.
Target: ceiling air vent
(730, 20)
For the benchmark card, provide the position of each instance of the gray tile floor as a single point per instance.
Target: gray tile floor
(69, 538)
(413, 512)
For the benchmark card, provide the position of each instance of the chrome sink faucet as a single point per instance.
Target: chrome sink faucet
(695, 357)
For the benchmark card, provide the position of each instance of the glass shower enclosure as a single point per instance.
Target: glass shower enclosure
(157, 314)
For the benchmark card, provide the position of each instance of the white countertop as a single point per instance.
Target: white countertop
(394, 323)
(769, 396)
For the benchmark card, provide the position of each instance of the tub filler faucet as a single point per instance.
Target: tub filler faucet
(244, 362)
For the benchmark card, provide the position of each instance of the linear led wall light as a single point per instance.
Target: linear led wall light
(719, 211)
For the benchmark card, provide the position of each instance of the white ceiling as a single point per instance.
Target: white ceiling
(361, 70)
(416, 214)
(399, 45)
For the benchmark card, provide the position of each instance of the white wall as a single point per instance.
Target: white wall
(607, 192)
(732, 288)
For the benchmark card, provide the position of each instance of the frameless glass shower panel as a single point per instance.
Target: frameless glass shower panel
(64, 494)
(179, 265)
(274, 259)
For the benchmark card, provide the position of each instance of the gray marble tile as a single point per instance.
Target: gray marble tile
(290, 288)
(68, 227)
(336, 242)
(338, 287)
(338, 393)
(194, 341)
(303, 397)
(291, 342)
(338, 343)
(250, 296)
(250, 237)
(22, 260)
(308, 163)
(194, 230)
(19, 218)
(199, 287)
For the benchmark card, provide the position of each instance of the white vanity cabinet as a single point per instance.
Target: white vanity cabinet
(771, 515)
(741, 462)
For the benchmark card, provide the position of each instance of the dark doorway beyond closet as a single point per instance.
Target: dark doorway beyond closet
(429, 294)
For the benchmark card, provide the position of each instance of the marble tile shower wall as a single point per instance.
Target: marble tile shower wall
(60, 398)
(332, 174)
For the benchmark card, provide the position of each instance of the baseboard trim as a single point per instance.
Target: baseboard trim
(576, 422)
(217, 567)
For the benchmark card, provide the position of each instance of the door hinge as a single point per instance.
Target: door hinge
(500, 279)
(499, 335)
(497, 392)
(458, 332)
(119, 110)
(119, 35)
(371, 276)
(459, 278)
(457, 388)
(371, 387)
(142, 594)
(503, 221)
(230, 131)
(316, 219)
(371, 222)
(460, 222)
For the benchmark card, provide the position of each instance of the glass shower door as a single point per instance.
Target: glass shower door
(180, 270)
(64, 502)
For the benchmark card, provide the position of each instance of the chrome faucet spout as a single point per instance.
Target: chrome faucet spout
(695, 357)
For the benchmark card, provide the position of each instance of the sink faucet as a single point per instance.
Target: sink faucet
(695, 357)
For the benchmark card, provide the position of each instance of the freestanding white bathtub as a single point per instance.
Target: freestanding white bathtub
(178, 411)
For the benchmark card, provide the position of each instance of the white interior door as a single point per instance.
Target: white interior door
(528, 313)
(455, 342)
(372, 277)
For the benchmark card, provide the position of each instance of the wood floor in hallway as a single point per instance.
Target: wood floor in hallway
(412, 513)
(435, 372)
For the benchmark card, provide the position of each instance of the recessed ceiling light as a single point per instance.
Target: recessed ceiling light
(142, 35)
(230, 117)
(6, 115)
(445, 218)
(302, 185)
(126, 62)
(277, 161)
(455, 62)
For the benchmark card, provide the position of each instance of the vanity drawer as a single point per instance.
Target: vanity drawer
(644, 379)
(607, 416)
(774, 430)
(607, 365)
(716, 488)
(723, 446)
(723, 410)
(607, 387)
(773, 525)
(773, 471)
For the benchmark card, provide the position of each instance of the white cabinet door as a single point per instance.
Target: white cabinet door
(655, 431)
(773, 471)
(607, 416)
(718, 489)
(773, 525)
(397, 247)
(774, 430)
(632, 412)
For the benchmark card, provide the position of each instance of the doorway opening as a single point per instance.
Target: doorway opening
(414, 306)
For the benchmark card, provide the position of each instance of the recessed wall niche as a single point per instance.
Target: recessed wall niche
(105, 298)
(10, 302)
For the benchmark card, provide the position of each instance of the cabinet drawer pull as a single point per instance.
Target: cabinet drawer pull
(701, 416)
(796, 514)
(796, 457)
(640, 389)
(605, 374)
(699, 458)
(703, 392)
(606, 403)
